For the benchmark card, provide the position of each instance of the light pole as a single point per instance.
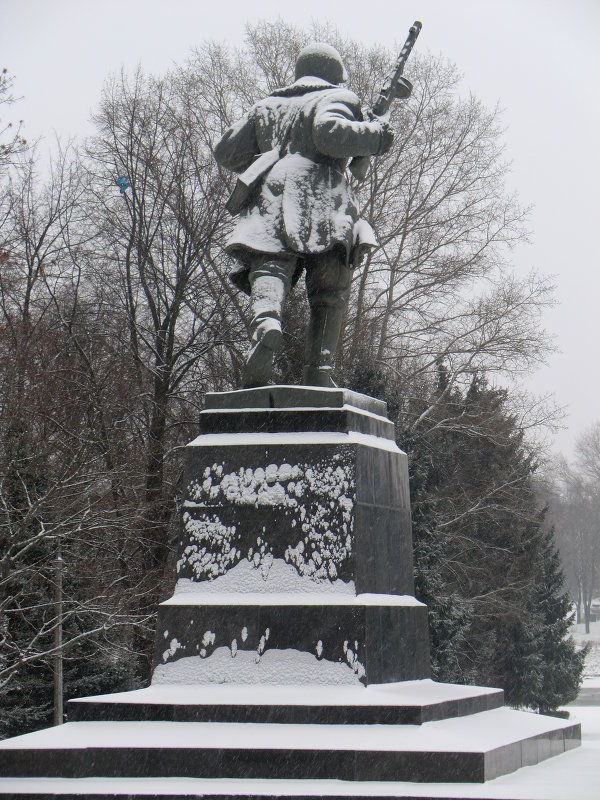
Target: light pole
(58, 660)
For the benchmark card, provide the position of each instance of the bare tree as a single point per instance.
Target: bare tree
(56, 505)
(158, 242)
(11, 142)
(440, 285)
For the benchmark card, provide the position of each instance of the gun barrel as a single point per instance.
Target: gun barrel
(387, 92)
(390, 89)
(413, 32)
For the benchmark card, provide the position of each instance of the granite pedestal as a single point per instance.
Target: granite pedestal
(296, 538)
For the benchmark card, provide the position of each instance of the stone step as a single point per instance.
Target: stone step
(537, 783)
(468, 749)
(196, 788)
(289, 397)
(294, 409)
(303, 421)
(406, 703)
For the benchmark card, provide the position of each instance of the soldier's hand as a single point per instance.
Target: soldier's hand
(387, 136)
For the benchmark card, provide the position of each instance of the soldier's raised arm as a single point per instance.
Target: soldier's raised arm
(339, 130)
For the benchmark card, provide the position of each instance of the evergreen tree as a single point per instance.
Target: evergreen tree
(542, 666)
(484, 564)
(561, 664)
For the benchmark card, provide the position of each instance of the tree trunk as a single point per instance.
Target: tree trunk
(587, 610)
(154, 485)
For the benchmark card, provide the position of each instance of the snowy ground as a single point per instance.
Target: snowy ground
(574, 775)
(592, 662)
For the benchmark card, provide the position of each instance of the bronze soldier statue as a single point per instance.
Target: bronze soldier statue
(297, 210)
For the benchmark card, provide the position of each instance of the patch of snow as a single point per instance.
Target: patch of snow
(592, 661)
(172, 649)
(211, 561)
(318, 497)
(295, 439)
(485, 731)
(352, 659)
(421, 692)
(249, 667)
(273, 575)
(315, 598)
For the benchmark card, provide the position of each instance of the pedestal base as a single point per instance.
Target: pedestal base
(468, 749)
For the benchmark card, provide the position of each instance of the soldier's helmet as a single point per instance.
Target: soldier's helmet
(321, 61)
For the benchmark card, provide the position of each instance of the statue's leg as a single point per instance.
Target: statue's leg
(270, 281)
(328, 282)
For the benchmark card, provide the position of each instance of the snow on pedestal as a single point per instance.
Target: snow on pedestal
(230, 665)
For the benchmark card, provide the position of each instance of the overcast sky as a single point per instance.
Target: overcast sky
(539, 58)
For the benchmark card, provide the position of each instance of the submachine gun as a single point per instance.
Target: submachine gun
(395, 86)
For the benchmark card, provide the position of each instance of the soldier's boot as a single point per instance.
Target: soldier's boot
(266, 340)
(269, 288)
(328, 287)
(321, 345)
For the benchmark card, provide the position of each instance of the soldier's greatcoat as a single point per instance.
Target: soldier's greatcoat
(304, 204)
